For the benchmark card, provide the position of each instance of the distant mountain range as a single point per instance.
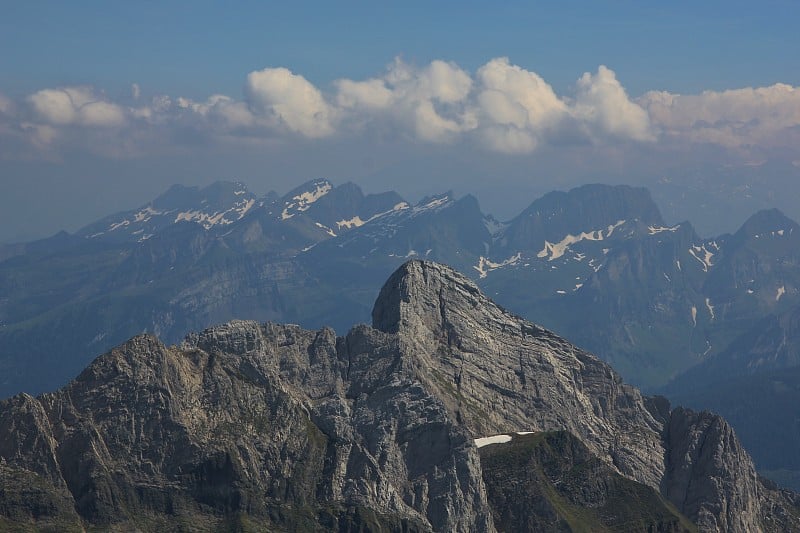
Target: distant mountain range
(670, 310)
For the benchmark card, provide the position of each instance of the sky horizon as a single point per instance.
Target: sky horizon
(104, 107)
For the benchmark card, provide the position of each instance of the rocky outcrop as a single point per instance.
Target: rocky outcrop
(284, 425)
(277, 427)
(712, 478)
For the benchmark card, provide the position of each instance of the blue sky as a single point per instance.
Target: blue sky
(278, 93)
(196, 48)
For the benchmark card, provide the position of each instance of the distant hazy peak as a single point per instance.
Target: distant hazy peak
(181, 196)
(767, 221)
(597, 204)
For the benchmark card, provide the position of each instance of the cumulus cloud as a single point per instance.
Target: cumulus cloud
(222, 109)
(429, 102)
(502, 107)
(516, 106)
(602, 105)
(370, 94)
(291, 100)
(732, 118)
(76, 105)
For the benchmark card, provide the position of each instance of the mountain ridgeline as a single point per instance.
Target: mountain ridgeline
(665, 307)
(248, 426)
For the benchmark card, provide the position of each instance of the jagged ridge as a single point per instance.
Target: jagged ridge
(285, 428)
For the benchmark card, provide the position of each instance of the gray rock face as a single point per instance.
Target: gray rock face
(710, 474)
(498, 373)
(283, 428)
(249, 418)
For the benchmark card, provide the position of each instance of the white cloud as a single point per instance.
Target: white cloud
(509, 139)
(517, 107)
(602, 105)
(732, 118)
(444, 82)
(513, 95)
(430, 126)
(54, 106)
(291, 100)
(440, 81)
(75, 106)
(428, 102)
(101, 114)
(369, 94)
(502, 107)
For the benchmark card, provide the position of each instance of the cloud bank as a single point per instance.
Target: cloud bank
(501, 107)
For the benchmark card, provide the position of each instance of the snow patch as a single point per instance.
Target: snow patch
(781, 292)
(356, 221)
(495, 439)
(204, 219)
(433, 204)
(303, 201)
(703, 254)
(485, 266)
(652, 230)
(708, 349)
(352, 223)
(327, 230)
(694, 316)
(555, 250)
(208, 220)
(411, 253)
(145, 214)
(246, 207)
(710, 308)
(118, 225)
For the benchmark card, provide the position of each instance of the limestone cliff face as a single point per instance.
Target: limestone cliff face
(273, 426)
(497, 372)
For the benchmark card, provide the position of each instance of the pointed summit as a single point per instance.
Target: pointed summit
(767, 222)
(418, 291)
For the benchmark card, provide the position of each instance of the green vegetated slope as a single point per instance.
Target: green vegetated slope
(551, 482)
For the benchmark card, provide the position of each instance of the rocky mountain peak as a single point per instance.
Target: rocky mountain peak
(767, 222)
(418, 291)
(217, 195)
(583, 209)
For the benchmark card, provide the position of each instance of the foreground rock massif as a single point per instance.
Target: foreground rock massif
(249, 426)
